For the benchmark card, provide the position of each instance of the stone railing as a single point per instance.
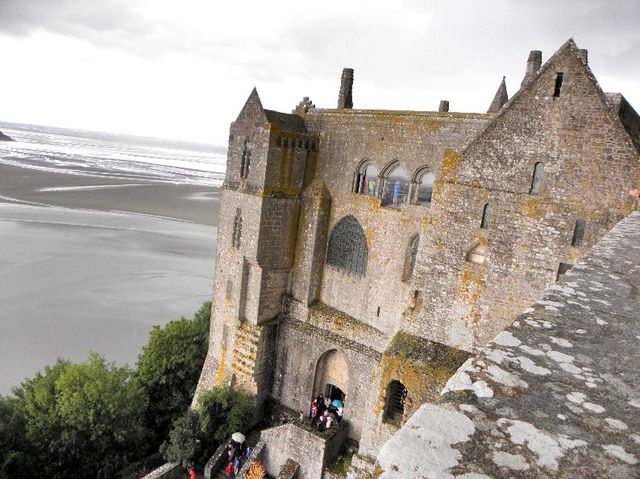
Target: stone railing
(216, 461)
(170, 470)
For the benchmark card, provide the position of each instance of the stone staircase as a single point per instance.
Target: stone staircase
(252, 440)
(246, 349)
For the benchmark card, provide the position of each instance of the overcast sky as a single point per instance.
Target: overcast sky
(183, 69)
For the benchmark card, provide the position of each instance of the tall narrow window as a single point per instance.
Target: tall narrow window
(245, 161)
(348, 246)
(578, 233)
(394, 407)
(536, 181)
(410, 259)
(237, 229)
(486, 216)
(558, 87)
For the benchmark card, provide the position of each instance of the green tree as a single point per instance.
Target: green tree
(84, 419)
(169, 367)
(15, 460)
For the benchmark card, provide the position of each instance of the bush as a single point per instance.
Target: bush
(184, 445)
(223, 411)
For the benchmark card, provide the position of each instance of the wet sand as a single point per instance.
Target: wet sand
(197, 203)
(90, 263)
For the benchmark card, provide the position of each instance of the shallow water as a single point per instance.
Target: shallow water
(74, 281)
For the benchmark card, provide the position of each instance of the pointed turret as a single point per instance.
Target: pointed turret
(253, 106)
(501, 97)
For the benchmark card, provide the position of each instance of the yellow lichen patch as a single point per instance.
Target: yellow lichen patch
(422, 366)
(473, 279)
(482, 240)
(220, 372)
(574, 255)
(532, 208)
(450, 163)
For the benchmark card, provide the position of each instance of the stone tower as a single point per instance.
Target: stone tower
(267, 159)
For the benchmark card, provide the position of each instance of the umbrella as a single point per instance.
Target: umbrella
(238, 437)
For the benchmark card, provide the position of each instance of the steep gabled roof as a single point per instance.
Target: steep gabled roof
(286, 121)
(568, 45)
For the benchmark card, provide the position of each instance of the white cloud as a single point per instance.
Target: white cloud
(184, 69)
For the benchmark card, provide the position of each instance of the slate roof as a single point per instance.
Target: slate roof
(286, 121)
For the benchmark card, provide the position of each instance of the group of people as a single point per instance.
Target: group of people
(235, 452)
(324, 412)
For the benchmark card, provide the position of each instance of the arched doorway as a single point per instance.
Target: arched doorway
(332, 376)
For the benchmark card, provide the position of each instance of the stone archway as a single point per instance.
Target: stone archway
(332, 374)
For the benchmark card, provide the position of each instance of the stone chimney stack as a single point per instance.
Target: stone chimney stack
(346, 87)
(444, 105)
(533, 65)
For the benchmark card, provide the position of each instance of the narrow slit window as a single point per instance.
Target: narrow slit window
(245, 161)
(578, 233)
(237, 229)
(486, 216)
(558, 87)
(536, 181)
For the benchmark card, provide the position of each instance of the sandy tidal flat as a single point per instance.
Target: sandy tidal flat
(90, 261)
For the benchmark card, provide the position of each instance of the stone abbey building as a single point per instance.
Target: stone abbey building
(363, 254)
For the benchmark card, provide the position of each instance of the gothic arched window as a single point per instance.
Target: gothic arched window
(366, 179)
(410, 259)
(237, 229)
(536, 181)
(394, 407)
(486, 216)
(422, 187)
(245, 161)
(395, 185)
(348, 246)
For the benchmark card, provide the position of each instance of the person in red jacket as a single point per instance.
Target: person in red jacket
(193, 474)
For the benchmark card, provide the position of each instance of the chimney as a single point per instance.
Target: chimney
(444, 105)
(346, 86)
(584, 54)
(533, 65)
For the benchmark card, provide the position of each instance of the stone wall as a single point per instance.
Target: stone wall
(589, 165)
(555, 395)
(310, 450)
